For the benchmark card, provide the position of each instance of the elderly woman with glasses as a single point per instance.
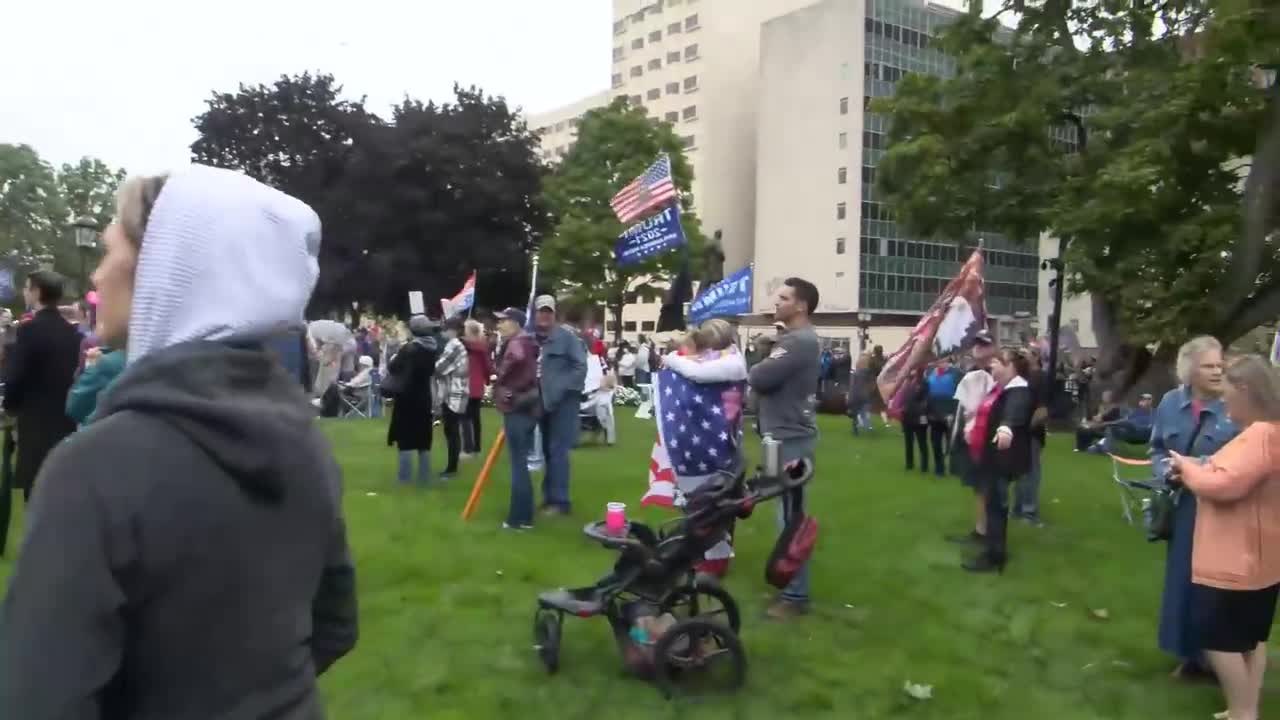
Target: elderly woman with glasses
(1190, 420)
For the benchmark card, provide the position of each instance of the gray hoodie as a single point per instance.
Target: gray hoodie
(185, 555)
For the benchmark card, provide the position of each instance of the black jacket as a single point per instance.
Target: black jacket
(185, 556)
(1012, 410)
(39, 369)
(410, 427)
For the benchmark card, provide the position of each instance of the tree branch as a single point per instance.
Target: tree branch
(1261, 188)
(1262, 309)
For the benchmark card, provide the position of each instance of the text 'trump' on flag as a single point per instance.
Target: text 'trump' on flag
(651, 190)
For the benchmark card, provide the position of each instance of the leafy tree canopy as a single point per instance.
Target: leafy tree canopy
(413, 202)
(615, 145)
(1137, 133)
(38, 205)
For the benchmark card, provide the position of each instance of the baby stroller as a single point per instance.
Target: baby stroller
(653, 587)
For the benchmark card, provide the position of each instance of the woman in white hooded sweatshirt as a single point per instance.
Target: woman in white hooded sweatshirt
(185, 554)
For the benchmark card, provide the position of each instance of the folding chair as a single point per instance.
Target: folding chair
(356, 402)
(1129, 487)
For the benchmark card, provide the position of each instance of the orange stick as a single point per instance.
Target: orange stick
(483, 478)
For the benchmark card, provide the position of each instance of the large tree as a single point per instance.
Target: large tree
(88, 189)
(39, 204)
(1136, 133)
(411, 203)
(32, 209)
(615, 145)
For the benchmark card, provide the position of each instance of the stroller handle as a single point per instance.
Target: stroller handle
(794, 474)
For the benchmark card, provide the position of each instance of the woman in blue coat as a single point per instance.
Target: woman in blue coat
(1190, 420)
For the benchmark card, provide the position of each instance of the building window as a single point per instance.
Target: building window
(620, 27)
(673, 29)
(839, 246)
(842, 210)
(691, 112)
(629, 326)
(647, 326)
(843, 139)
(655, 36)
(673, 57)
(559, 127)
(673, 88)
(691, 22)
(691, 53)
(691, 83)
(653, 94)
(618, 53)
(617, 80)
(637, 70)
(655, 64)
(842, 176)
(672, 117)
(844, 106)
(688, 141)
(635, 101)
(637, 44)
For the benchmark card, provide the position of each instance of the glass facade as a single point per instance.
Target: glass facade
(900, 273)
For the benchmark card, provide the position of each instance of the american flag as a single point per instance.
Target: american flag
(651, 190)
(699, 433)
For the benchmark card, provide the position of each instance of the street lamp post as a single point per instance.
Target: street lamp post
(86, 233)
(864, 325)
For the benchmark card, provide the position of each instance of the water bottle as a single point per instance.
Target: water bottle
(772, 456)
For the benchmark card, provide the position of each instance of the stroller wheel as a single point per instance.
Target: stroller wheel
(704, 601)
(699, 657)
(546, 637)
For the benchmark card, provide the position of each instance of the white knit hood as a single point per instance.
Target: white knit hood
(223, 257)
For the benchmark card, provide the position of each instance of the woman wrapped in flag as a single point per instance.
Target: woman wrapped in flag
(698, 397)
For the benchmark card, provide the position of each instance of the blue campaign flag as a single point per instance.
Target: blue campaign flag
(730, 296)
(655, 234)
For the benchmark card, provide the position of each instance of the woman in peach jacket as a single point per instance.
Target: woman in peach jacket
(1235, 561)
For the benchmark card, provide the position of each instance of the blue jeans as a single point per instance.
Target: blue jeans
(559, 428)
(791, 504)
(1027, 496)
(519, 431)
(861, 419)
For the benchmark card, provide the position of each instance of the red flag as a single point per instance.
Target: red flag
(950, 325)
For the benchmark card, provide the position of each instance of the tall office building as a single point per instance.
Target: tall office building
(818, 147)
(771, 98)
(695, 64)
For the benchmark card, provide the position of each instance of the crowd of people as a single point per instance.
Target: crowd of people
(224, 501)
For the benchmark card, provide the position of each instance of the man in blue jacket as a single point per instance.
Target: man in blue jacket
(562, 369)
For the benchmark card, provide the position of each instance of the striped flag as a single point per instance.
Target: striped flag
(463, 301)
(651, 190)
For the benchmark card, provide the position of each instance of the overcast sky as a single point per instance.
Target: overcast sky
(122, 80)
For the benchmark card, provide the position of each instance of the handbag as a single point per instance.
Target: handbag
(1158, 515)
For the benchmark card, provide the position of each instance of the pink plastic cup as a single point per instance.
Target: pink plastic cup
(615, 518)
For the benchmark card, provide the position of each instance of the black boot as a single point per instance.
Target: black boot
(984, 563)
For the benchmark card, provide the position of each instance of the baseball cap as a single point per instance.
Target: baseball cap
(983, 338)
(511, 313)
(544, 302)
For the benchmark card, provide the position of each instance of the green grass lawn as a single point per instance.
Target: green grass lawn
(446, 606)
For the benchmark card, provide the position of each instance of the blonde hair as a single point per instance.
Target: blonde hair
(474, 328)
(1252, 375)
(134, 201)
(714, 334)
(1190, 352)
